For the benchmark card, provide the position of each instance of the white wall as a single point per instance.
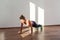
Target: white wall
(10, 10)
(39, 6)
(52, 12)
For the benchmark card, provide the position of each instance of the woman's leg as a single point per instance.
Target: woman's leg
(40, 27)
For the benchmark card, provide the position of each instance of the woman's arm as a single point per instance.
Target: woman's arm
(21, 28)
(30, 24)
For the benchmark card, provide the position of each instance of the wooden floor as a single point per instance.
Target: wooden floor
(49, 33)
(52, 33)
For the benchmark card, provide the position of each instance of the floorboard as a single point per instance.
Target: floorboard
(49, 33)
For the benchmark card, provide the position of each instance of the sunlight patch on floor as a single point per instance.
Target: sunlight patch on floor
(2, 36)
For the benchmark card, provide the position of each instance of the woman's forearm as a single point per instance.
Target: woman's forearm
(21, 28)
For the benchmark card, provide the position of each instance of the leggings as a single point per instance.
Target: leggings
(34, 24)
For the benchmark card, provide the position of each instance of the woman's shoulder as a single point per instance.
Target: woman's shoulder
(28, 20)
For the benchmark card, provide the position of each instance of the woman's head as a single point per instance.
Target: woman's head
(22, 19)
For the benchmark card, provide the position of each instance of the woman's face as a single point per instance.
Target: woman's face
(22, 20)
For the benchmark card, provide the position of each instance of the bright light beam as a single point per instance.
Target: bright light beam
(32, 11)
(40, 16)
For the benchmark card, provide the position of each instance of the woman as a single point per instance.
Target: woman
(27, 23)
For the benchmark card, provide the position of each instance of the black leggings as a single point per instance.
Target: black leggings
(34, 24)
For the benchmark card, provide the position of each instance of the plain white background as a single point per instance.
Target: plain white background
(10, 10)
(52, 12)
